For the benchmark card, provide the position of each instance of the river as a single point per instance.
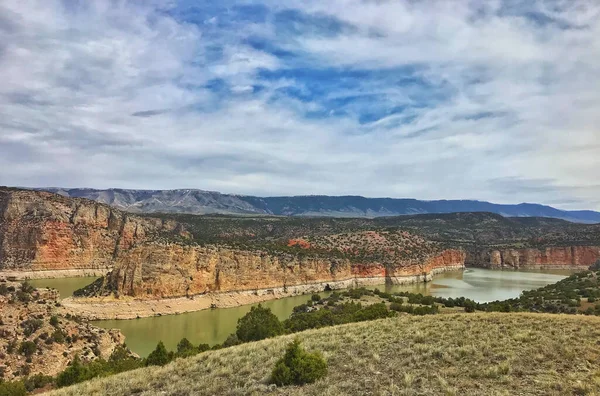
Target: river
(213, 326)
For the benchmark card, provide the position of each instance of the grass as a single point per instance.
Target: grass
(451, 354)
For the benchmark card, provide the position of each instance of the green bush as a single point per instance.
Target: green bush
(30, 326)
(470, 306)
(54, 320)
(37, 381)
(231, 340)
(258, 324)
(27, 348)
(14, 388)
(58, 336)
(185, 348)
(73, 374)
(27, 288)
(159, 356)
(10, 347)
(298, 367)
(121, 360)
(315, 297)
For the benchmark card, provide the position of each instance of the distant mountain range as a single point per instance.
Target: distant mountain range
(207, 202)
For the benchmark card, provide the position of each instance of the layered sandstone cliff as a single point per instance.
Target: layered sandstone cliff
(173, 270)
(564, 257)
(44, 231)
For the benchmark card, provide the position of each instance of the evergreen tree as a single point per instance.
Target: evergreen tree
(159, 356)
(258, 324)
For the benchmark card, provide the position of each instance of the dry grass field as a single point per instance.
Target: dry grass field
(449, 354)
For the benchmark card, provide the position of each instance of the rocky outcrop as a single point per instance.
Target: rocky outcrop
(565, 257)
(43, 231)
(35, 316)
(173, 270)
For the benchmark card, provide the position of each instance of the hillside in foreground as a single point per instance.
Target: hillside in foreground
(453, 354)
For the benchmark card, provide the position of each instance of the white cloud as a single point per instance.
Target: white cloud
(115, 95)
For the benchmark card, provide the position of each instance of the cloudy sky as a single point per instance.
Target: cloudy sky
(494, 100)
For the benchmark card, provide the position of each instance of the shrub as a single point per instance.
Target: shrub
(30, 326)
(159, 356)
(185, 348)
(3, 289)
(10, 348)
(22, 296)
(470, 306)
(37, 381)
(315, 297)
(298, 367)
(27, 348)
(258, 324)
(58, 336)
(27, 288)
(121, 360)
(231, 341)
(71, 375)
(15, 388)
(54, 320)
(372, 312)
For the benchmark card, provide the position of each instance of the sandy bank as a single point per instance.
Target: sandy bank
(130, 308)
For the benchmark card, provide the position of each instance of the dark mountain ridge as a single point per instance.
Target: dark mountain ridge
(207, 202)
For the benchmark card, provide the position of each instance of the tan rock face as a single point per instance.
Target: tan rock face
(171, 270)
(43, 231)
(566, 257)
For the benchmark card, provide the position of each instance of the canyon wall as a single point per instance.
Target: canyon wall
(173, 270)
(42, 231)
(564, 257)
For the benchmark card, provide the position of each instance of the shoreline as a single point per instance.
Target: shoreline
(532, 267)
(14, 275)
(111, 308)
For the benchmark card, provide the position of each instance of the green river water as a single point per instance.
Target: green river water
(213, 326)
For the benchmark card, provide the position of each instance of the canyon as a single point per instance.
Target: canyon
(197, 262)
(557, 257)
(42, 231)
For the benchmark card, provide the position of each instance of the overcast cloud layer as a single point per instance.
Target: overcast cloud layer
(494, 100)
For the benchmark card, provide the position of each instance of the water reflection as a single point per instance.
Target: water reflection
(65, 286)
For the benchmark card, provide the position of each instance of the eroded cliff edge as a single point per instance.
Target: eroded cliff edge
(554, 257)
(42, 231)
(173, 270)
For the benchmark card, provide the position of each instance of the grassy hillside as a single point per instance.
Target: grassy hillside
(453, 354)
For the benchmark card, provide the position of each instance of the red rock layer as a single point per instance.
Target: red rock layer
(44, 231)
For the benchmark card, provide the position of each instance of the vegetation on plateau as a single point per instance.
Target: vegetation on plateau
(451, 230)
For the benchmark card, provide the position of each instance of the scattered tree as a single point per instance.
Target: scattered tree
(298, 367)
(258, 324)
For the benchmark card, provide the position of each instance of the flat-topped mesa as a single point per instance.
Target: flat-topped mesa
(43, 231)
(561, 257)
(173, 270)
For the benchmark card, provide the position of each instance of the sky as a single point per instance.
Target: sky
(489, 100)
